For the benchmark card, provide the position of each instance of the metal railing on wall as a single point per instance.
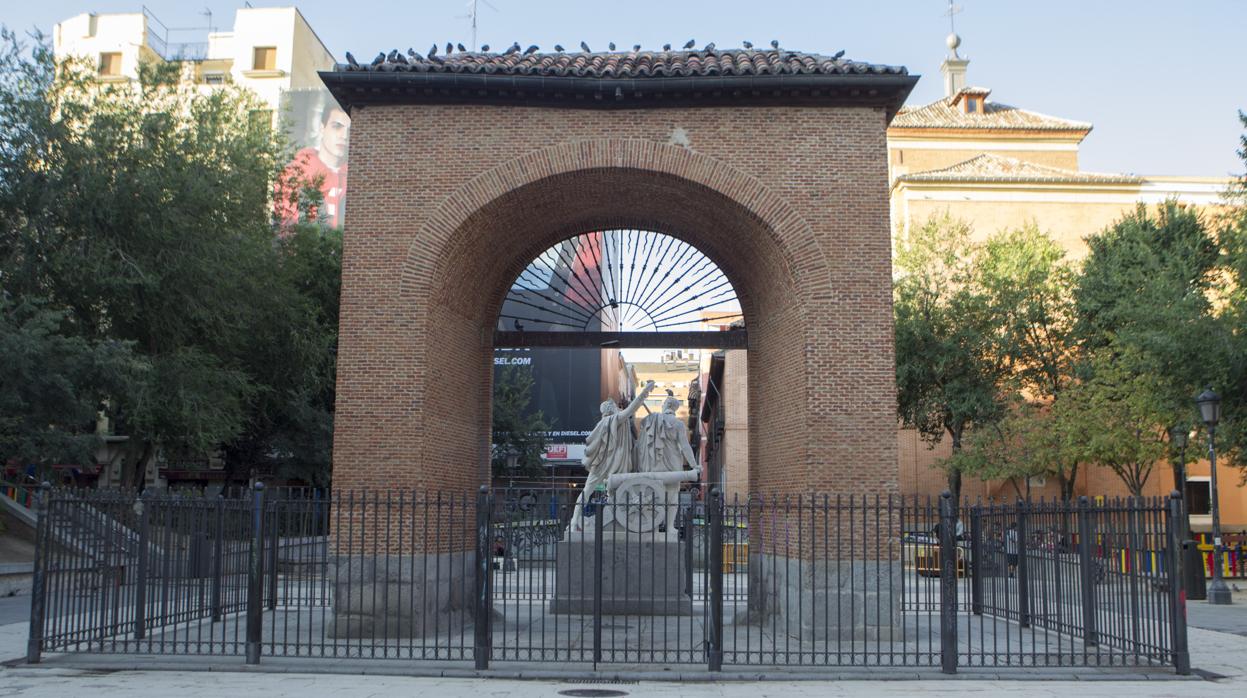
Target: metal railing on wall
(812, 580)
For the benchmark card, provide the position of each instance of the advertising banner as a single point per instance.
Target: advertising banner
(320, 132)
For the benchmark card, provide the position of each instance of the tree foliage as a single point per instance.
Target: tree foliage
(1145, 308)
(139, 213)
(518, 432)
(948, 371)
(1233, 235)
(52, 384)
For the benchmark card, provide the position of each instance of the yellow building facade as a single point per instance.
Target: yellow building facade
(997, 166)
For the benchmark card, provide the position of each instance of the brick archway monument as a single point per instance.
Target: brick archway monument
(463, 169)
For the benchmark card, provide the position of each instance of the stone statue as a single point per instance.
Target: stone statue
(608, 450)
(662, 444)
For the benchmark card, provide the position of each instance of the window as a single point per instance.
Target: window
(972, 105)
(110, 63)
(214, 78)
(265, 58)
(1198, 496)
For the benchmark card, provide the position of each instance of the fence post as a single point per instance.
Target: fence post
(714, 626)
(274, 543)
(948, 583)
(255, 576)
(976, 560)
(38, 584)
(482, 640)
(687, 516)
(1177, 593)
(1024, 599)
(1087, 572)
(599, 522)
(143, 505)
(217, 554)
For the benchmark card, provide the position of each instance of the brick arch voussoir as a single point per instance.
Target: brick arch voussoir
(788, 231)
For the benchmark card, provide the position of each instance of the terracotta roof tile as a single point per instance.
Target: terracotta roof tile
(631, 64)
(946, 114)
(998, 168)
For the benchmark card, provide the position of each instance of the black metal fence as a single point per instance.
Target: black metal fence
(505, 578)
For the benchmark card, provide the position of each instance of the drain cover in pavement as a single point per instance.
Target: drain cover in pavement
(592, 693)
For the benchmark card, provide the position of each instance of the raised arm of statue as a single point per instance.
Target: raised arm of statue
(639, 399)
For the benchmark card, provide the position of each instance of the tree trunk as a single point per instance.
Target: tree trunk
(134, 472)
(1068, 483)
(954, 475)
(1016, 487)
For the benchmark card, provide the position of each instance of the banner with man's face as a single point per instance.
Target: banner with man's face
(320, 131)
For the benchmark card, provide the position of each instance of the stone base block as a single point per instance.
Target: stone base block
(403, 595)
(638, 578)
(824, 599)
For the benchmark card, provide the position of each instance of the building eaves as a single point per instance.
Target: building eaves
(989, 168)
(945, 114)
(621, 79)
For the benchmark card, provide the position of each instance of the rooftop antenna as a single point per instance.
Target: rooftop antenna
(473, 13)
(208, 13)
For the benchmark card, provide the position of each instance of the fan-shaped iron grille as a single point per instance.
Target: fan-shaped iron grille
(619, 281)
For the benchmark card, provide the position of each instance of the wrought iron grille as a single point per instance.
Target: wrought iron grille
(816, 580)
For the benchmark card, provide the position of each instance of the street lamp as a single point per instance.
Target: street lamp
(1210, 411)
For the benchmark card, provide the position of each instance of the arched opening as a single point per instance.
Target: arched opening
(494, 245)
(596, 317)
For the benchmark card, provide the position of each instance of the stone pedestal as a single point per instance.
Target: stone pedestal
(401, 596)
(826, 599)
(640, 577)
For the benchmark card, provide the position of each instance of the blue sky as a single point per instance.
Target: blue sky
(1161, 81)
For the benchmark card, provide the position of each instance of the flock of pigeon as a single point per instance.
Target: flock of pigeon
(413, 56)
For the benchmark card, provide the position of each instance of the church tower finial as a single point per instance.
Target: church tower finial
(954, 66)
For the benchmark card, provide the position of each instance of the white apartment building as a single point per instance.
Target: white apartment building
(271, 51)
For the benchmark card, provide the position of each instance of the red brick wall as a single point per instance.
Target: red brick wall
(448, 203)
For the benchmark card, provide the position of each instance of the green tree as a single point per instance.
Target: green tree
(1029, 287)
(518, 432)
(52, 385)
(1122, 418)
(948, 369)
(1018, 446)
(141, 212)
(1146, 290)
(1232, 432)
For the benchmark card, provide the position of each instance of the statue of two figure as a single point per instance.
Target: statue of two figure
(661, 446)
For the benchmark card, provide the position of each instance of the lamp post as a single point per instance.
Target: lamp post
(1210, 411)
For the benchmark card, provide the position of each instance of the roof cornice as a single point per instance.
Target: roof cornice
(353, 89)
